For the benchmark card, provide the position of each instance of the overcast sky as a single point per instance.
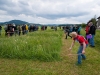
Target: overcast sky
(49, 11)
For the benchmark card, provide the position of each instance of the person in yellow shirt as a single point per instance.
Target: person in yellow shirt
(26, 27)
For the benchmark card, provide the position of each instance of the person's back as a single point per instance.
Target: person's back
(92, 30)
(19, 30)
(67, 31)
(73, 29)
(0, 27)
(87, 29)
(79, 30)
(81, 39)
(26, 27)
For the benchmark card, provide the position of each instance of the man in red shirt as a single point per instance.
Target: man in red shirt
(83, 44)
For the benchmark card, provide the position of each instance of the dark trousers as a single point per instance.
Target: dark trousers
(67, 34)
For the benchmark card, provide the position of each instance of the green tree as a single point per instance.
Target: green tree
(94, 21)
(83, 25)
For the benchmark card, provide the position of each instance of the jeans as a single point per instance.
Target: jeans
(91, 41)
(80, 55)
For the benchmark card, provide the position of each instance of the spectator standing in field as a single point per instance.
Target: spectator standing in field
(26, 27)
(79, 30)
(30, 28)
(87, 28)
(83, 44)
(34, 28)
(15, 29)
(92, 31)
(23, 29)
(70, 29)
(67, 31)
(76, 28)
(10, 30)
(0, 29)
(73, 30)
(55, 28)
(6, 28)
(19, 30)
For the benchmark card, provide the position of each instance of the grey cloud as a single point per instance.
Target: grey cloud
(47, 9)
(21, 8)
(62, 15)
(25, 3)
(14, 8)
(47, 12)
(7, 5)
(4, 2)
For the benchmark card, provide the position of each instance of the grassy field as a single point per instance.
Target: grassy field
(46, 53)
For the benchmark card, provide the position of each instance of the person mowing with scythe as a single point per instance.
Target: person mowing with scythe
(83, 44)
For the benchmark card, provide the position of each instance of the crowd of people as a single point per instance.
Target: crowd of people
(12, 29)
(69, 29)
(90, 30)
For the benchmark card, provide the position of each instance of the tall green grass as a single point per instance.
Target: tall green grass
(97, 40)
(38, 45)
(90, 66)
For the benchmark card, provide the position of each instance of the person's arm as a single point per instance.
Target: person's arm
(72, 45)
(84, 46)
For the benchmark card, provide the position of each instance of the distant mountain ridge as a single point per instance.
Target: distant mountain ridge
(17, 22)
(20, 22)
